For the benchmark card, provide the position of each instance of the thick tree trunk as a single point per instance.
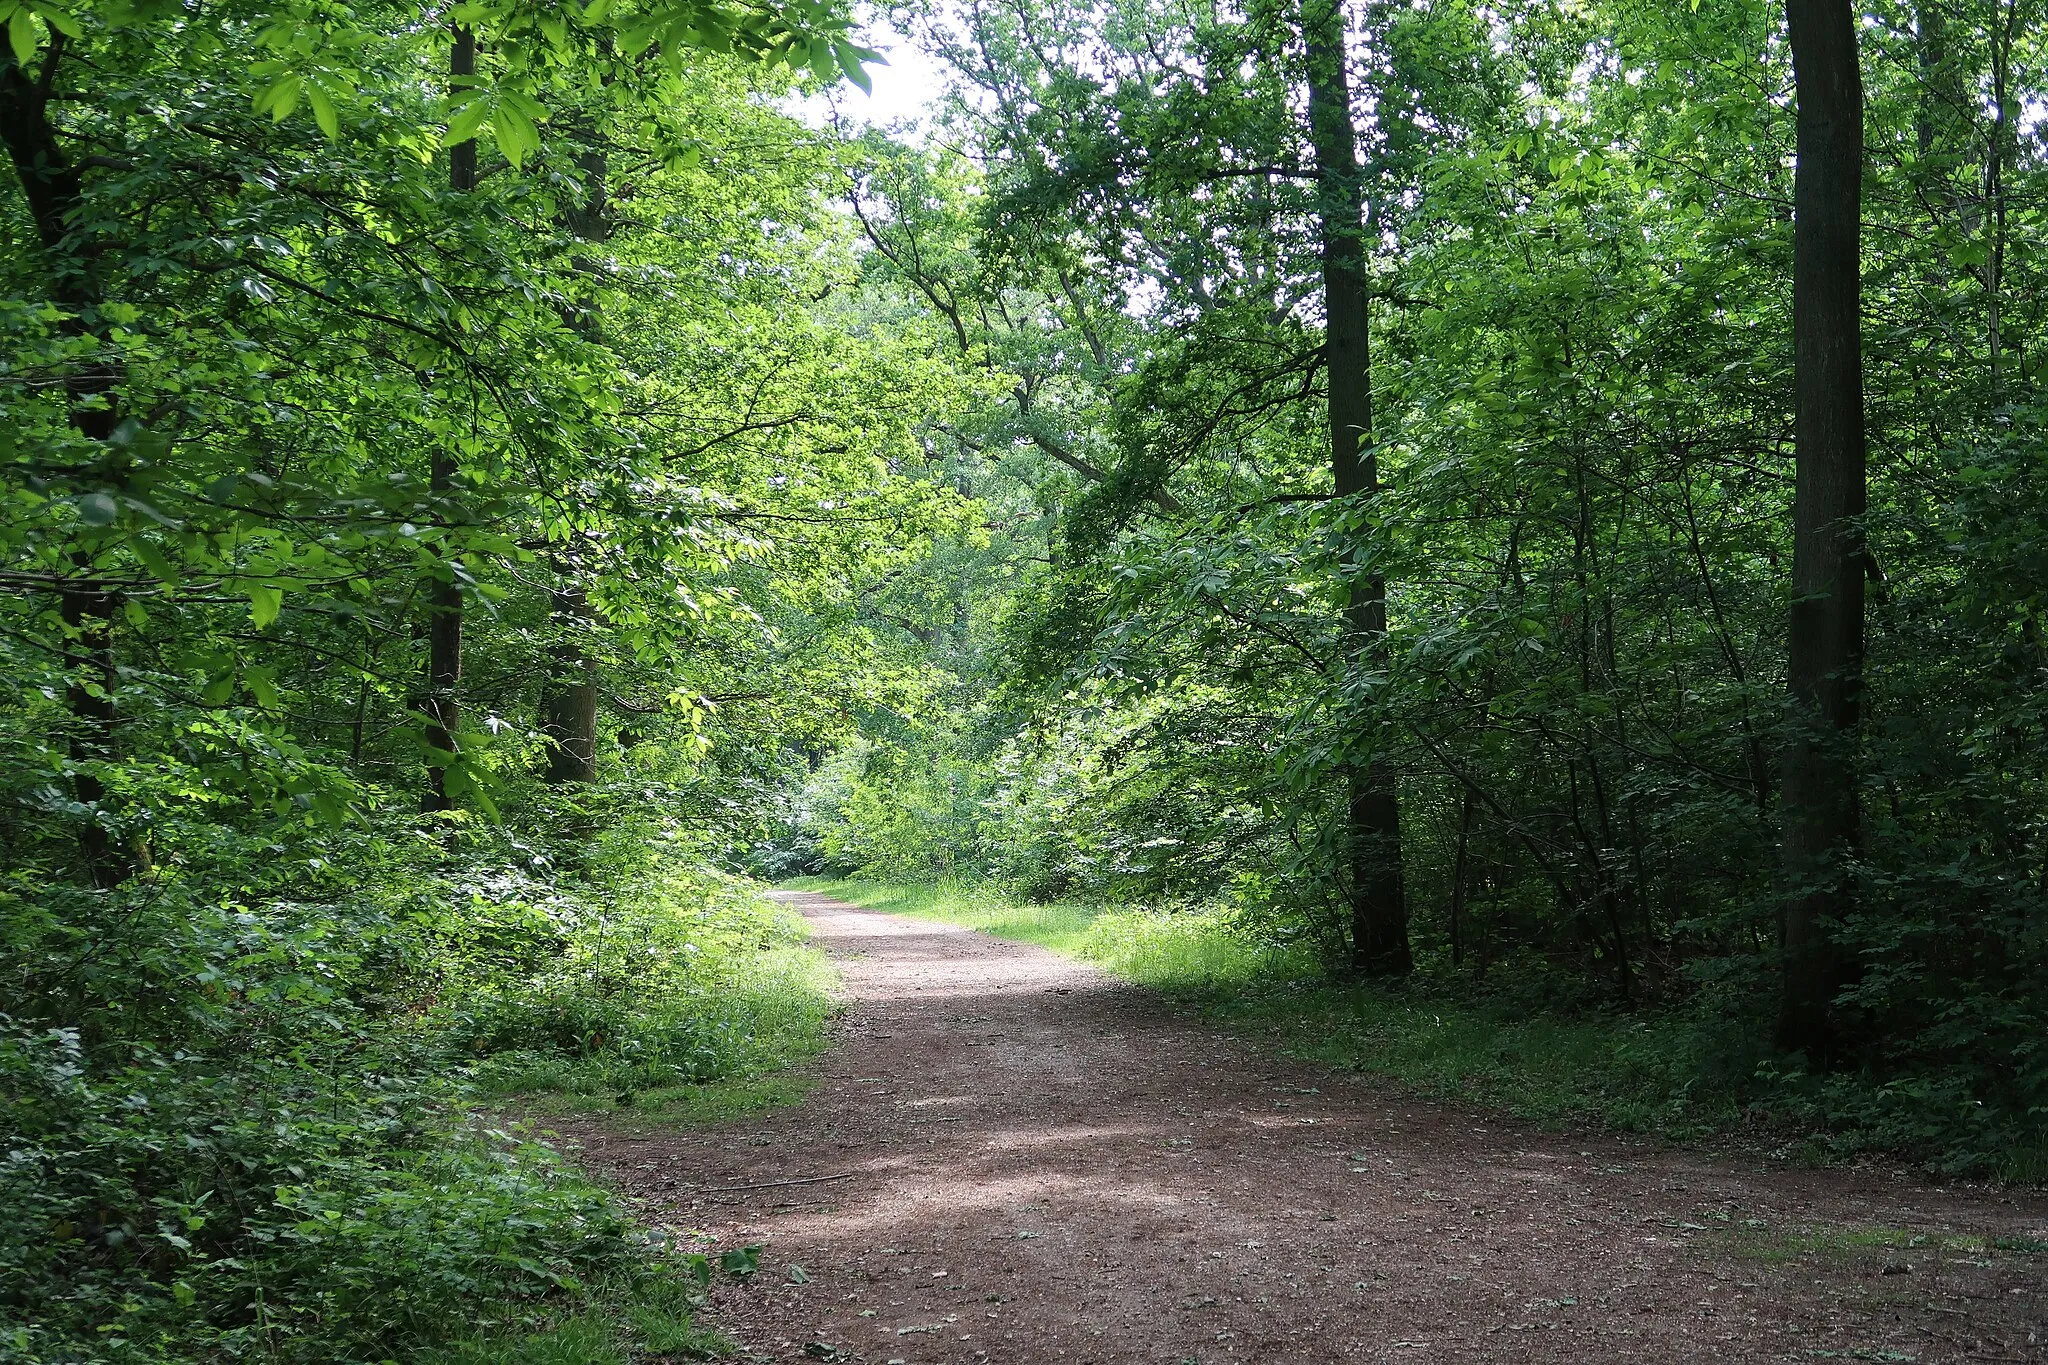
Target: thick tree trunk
(1825, 667)
(52, 188)
(444, 602)
(1379, 909)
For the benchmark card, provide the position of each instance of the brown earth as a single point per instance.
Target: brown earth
(1016, 1159)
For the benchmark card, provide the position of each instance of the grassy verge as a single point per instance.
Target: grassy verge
(1059, 926)
(1637, 1075)
(720, 1048)
(1692, 1075)
(647, 1315)
(710, 1000)
(1186, 953)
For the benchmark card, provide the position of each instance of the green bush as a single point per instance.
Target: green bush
(235, 1110)
(669, 974)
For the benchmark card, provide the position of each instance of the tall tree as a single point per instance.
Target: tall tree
(1379, 909)
(1825, 666)
(569, 693)
(444, 599)
(54, 189)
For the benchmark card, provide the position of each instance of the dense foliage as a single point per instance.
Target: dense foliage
(248, 1138)
(480, 482)
(1581, 408)
(443, 461)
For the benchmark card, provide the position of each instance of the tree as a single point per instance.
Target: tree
(503, 60)
(53, 185)
(1379, 932)
(444, 593)
(569, 697)
(1825, 645)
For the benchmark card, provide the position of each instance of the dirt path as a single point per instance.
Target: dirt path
(1039, 1166)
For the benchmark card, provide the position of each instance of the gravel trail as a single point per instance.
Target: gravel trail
(1025, 1162)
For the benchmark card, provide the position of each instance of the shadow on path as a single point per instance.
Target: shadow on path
(1042, 1165)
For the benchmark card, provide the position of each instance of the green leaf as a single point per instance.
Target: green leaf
(517, 137)
(468, 120)
(65, 23)
(323, 111)
(850, 60)
(98, 509)
(280, 97)
(824, 64)
(524, 103)
(263, 686)
(21, 35)
(264, 604)
(476, 793)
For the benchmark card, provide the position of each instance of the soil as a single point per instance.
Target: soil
(1014, 1158)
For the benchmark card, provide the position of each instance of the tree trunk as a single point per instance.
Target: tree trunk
(444, 602)
(569, 709)
(2001, 151)
(1379, 910)
(1825, 666)
(1934, 109)
(569, 695)
(52, 188)
(1465, 818)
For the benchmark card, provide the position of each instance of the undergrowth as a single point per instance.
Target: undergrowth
(687, 980)
(1701, 1072)
(245, 1101)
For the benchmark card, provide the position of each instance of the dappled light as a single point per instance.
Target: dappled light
(1023, 682)
(1051, 1163)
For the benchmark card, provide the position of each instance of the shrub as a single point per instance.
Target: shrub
(235, 1109)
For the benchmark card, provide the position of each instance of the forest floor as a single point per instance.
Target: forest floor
(1011, 1157)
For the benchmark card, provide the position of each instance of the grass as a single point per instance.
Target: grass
(758, 1015)
(1179, 953)
(1675, 1075)
(647, 1316)
(1535, 1048)
(691, 1105)
(742, 1015)
(1776, 1247)
(1060, 926)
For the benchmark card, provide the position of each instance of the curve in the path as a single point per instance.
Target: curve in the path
(1035, 1165)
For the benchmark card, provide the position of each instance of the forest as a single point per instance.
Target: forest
(1366, 512)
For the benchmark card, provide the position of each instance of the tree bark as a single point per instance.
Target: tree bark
(52, 188)
(1825, 665)
(569, 709)
(570, 692)
(444, 602)
(1466, 812)
(1379, 909)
